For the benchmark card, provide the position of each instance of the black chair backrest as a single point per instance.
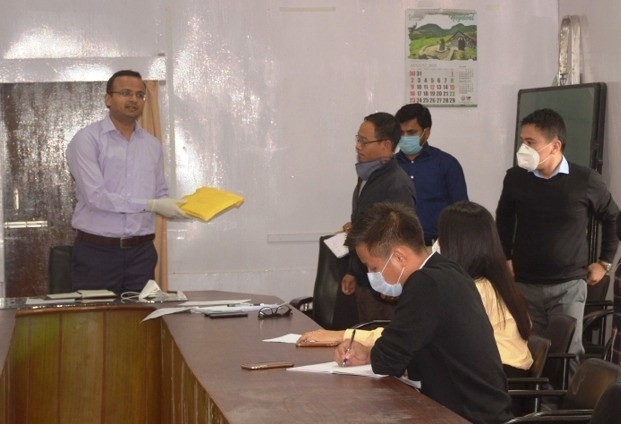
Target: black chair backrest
(608, 408)
(598, 292)
(560, 331)
(538, 347)
(590, 381)
(59, 269)
(331, 308)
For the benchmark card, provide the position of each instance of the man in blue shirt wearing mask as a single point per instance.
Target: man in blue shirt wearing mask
(437, 176)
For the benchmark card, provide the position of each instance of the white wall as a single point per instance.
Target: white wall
(264, 98)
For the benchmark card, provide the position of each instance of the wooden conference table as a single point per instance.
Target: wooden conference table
(100, 364)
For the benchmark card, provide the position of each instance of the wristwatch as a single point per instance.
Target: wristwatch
(607, 266)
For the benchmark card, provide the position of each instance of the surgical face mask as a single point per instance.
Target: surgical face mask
(379, 284)
(365, 169)
(528, 158)
(410, 145)
(435, 247)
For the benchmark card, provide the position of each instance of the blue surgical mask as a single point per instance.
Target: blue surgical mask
(410, 145)
(365, 169)
(379, 284)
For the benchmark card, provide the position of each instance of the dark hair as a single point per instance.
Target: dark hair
(386, 127)
(385, 225)
(468, 235)
(549, 122)
(123, 73)
(414, 111)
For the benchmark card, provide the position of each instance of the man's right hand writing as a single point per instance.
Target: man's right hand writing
(348, 284)
(358, 354)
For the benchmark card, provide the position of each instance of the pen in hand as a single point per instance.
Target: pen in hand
(353, 334)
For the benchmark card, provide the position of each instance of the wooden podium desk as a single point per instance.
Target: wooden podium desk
(100, 364)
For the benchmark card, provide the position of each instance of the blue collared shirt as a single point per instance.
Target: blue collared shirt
(563, 168)
(438, 180)
(114, 179)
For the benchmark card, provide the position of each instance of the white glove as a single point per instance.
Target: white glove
(167, 207)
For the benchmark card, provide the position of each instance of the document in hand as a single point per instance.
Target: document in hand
(336, 243)
(334, 368)
(207, 202)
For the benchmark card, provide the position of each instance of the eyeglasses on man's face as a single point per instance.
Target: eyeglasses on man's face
(279, 311)
(140, 95)
(361, 141)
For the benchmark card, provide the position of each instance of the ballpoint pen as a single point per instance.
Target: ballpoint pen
(353, 334)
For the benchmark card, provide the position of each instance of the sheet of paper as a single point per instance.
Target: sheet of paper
(214, 302)
(333, 368)
(336, 244)
(72, 295)
(165, 311)
(96, 293)
(290, 338)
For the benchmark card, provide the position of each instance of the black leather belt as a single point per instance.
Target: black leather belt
(118, 242)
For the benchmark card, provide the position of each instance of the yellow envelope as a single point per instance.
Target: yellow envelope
(207, 202)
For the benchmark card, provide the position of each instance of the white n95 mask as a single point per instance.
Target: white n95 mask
(528, 158)
(379, 284)
(436, 247)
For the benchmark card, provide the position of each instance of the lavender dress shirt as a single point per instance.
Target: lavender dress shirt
(114, 179)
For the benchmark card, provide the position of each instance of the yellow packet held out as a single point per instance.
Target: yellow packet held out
(207, 202)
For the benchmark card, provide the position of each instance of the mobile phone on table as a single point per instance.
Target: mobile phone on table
(267, 365)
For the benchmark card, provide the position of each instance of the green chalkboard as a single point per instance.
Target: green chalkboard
(583, 108)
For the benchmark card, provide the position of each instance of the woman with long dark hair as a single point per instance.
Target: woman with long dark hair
(467, 234)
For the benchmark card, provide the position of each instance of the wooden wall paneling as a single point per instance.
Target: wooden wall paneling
(81, 367)
(153, 382)
(20, 371)
(167, 376)
(125, 366)
(44, 359)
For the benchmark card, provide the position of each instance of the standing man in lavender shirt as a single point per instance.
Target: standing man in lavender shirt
(119, 175)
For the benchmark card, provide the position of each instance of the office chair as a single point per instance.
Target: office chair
(592, 378)
(538, 347)
(606, 411)
(560, 331)
(596, 347)
(328, 306)
(596, 319)
(59, 269)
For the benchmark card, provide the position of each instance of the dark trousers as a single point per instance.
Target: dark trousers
(96, 267)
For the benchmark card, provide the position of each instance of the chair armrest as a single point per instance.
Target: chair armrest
(299, 302)
(375, 323)
(592, 317)
(599, 303)
(561, 355)
(530, 394)
(562, 412)
(527, 380)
